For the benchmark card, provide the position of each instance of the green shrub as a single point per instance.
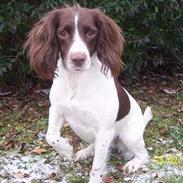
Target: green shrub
(153, 30)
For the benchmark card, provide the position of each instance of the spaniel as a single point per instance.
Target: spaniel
(81, 49)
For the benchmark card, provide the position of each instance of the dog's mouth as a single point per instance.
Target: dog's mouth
(77, 69)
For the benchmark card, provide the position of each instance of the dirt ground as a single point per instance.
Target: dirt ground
(26, 157)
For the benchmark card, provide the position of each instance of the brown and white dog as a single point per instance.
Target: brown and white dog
(81, 50)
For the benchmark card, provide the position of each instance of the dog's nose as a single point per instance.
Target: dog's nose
(78, 59)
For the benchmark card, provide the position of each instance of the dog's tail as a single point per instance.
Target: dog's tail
(147, 115)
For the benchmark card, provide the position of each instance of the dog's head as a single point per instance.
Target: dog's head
(75, 34)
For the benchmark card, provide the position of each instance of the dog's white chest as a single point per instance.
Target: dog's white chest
(82, 122)
(87, 101)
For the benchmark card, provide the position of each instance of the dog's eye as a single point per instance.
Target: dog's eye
(63, 34)
(91, 33)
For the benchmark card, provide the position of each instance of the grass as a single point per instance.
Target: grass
(173, 179)
(77, 179)
(22, 123)
(166, 125)
(19, 125)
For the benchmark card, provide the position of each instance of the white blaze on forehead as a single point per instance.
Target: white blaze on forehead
(76, 20)
(76, 33)
(78, 44)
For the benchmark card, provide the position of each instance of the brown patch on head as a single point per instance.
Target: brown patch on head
(65, 32)
(88, 29)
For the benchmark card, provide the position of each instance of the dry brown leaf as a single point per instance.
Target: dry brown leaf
(39, 150)
(13, 103)
(5, 93)
(35, 114)
(119, 167)
(21, 175)
(108, 179)
(170, 91)
(164, 130)
(13, 132)
(8, 145)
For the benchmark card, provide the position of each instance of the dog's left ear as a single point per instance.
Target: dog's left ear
(110, 43)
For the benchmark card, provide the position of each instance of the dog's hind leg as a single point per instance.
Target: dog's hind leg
(123, 150)
(132, 137)
(85, 153)
(138, 153)
(136, 147)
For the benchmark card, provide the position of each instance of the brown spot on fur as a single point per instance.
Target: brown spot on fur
(124, 102)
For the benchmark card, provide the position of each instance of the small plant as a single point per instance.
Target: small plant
(77, 179)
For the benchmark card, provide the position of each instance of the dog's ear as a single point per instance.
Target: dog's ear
(110, 43)
(42, 45)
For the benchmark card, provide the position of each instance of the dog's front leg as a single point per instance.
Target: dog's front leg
(102, 144)
(53, 137)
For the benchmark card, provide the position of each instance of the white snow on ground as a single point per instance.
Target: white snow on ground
(154, 175)
(18, 168)
(24, 168)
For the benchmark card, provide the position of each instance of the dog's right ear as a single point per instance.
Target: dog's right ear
(42, 45)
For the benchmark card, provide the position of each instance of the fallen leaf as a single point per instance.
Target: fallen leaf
(12, 133)
(21, 175)
(170, 91)
(119, 167)
(26, 175)
(35, 114)
(39, 150)
(13, 103)
(164, 130)
(43, 92)
(108, 179)
(8, 145)
(5, 94)
(180, 107)
(22, 147)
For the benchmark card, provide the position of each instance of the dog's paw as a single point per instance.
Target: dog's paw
(132, 166)
(96, 179)
(83, 154)
(67, 152)
(93, 181)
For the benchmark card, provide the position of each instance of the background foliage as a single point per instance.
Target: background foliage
(153, 31)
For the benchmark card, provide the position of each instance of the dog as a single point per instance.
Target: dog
(81, 50)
